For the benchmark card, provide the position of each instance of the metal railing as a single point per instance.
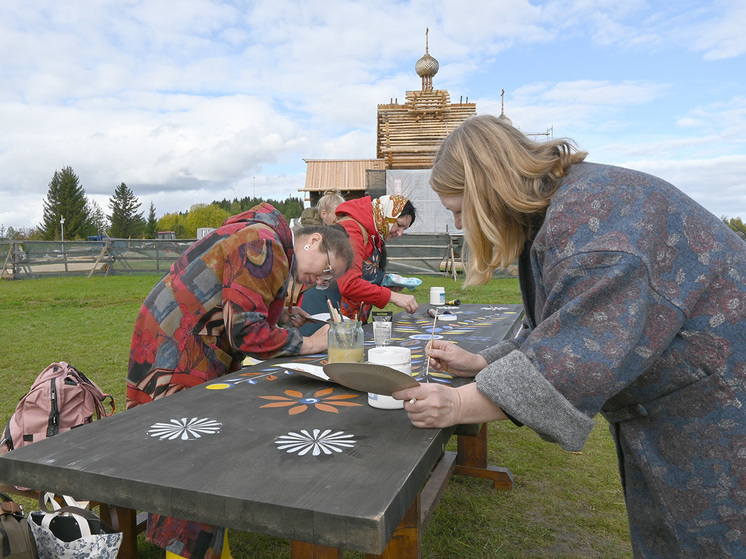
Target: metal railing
(412, 254)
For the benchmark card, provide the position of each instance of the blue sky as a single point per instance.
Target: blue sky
(192, 101)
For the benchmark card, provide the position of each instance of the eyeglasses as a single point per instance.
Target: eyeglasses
(327, 274)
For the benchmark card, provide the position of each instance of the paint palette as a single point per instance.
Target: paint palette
(368, 377)
(311, 371)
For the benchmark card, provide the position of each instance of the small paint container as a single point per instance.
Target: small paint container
(399, 358)
(437, 295)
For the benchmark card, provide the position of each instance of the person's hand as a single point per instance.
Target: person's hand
(298, 317)
(431, 405)
(450, 358)
(406, 302)
(317, 342)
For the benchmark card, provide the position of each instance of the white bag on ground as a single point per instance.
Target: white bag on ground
(53, 535)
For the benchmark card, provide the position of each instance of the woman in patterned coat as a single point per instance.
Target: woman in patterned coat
(221, 301)
(635, 300)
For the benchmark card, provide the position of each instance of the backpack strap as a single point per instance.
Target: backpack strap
(53, 423)
(9, 506)
(7, 440)
(362, 229)
(99, 397)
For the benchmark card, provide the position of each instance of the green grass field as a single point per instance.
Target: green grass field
(563, 505)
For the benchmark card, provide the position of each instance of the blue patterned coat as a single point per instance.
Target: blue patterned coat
(636, 309)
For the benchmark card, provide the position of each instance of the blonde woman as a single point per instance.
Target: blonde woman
(323, 212)
(635, 300)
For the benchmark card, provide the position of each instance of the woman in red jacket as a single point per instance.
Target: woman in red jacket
(369, 223)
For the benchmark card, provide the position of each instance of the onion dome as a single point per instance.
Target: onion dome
(427, 67)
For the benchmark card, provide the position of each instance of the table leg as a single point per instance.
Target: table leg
(122, 520)
(305, 550)
(405, 543)
(472, 460)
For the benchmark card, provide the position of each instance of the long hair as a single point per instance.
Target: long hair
(329, 201)
(505, 179)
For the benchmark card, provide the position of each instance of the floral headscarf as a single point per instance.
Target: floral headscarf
(386, 210)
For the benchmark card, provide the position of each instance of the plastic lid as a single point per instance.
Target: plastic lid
(389, 355)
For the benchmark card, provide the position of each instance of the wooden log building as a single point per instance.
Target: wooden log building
(408, 137)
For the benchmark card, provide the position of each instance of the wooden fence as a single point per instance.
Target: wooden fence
(35, 259)
(409, 255)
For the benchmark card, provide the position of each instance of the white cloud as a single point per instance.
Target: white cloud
(204, 101)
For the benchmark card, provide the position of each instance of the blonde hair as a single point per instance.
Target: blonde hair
(505, 179)
(329, 201)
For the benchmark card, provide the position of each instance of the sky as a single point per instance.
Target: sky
(200, 100)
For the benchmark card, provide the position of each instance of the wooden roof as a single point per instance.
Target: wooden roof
(344, 174)
(409, 135)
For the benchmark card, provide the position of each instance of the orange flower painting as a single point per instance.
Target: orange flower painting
(322, 400)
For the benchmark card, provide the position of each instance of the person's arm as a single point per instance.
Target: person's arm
(251, 307)
(317, 342)
(600, 328)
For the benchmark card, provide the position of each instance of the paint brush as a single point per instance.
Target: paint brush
(432, 337)
(332, 314)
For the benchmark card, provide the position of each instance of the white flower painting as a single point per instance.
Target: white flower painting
(316, 442)
(185, 429)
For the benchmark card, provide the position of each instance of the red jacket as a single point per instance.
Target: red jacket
(352, 285)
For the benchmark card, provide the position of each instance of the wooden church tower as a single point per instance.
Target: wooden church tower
(409, 135)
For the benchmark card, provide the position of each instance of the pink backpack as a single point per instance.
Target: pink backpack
(60, 399)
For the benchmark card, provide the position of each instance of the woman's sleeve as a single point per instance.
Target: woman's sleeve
(501, 349)
(351, 284)
(253, 287)
(601, 327)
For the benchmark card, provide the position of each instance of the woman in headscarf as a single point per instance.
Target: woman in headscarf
(222, 300)
(369, 223)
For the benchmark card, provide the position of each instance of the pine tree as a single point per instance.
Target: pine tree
(97, 216)
(151, 228)
(65, 199)
(125, 221)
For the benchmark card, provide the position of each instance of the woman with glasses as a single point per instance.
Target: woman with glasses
(369, 223)
(635, 300)
(223, 300)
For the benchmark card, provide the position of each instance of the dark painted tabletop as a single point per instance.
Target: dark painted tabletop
(264, 449)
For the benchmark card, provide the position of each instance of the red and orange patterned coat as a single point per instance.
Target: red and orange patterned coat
(220, 301)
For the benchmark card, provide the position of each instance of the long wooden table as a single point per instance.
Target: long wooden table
(269, 451)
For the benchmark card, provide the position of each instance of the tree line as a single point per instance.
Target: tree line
(70, 215)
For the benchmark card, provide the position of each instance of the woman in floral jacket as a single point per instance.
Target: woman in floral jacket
(221, 301)
(635, 301)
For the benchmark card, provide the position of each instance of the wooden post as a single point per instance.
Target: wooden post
(472, 460)
(406, 539)
(100, 256)
(305, 550)
(10, 253)
(122, 520)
